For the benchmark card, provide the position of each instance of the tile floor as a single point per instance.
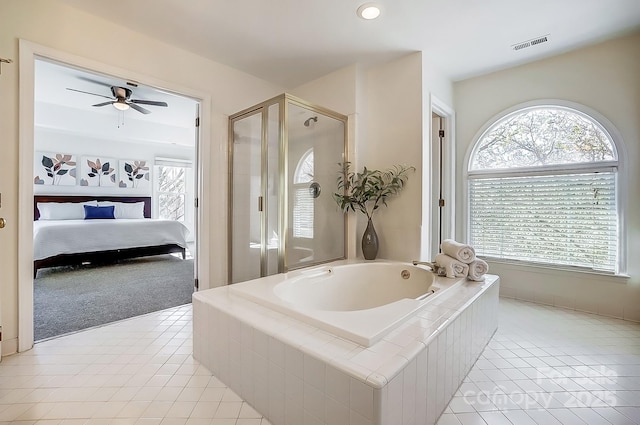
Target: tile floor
(137, 371)
(550, 366)
(544, 366)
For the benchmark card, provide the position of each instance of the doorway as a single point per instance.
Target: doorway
(441, 162)
(31, 54)
(138, 144)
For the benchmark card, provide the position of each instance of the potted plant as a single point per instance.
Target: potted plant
(366, 192)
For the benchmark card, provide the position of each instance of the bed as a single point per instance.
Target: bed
(62, 238)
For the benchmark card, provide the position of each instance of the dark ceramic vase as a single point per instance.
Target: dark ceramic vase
(370, 242)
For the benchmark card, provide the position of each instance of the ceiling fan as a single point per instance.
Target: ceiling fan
(122, 101)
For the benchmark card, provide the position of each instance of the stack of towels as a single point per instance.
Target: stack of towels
(459, 260)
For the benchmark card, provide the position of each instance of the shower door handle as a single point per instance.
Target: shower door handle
(260, 204)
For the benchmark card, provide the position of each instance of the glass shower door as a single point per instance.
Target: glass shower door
(284, 158)
(246, 189)
(255, 188)
(315, 147)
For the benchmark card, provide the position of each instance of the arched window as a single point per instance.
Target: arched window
(542, 189)
(303, 212)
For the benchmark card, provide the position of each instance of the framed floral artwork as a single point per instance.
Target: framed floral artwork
(134, 174)
(54, 169)
(97, 171)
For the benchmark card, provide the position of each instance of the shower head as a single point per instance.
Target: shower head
(307, 123)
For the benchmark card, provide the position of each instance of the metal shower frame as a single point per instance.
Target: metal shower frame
(282, 101)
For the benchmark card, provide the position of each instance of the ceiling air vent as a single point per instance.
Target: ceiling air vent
(529, 43)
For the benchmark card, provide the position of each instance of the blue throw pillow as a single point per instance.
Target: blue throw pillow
(91, 212)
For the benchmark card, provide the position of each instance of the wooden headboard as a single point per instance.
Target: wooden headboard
(73, 198)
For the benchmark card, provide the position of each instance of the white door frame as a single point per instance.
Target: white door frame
(430, 193)
(29, 52)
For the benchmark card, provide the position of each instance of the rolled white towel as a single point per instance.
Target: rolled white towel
(452, 267)
(477, 270)
(458, 251)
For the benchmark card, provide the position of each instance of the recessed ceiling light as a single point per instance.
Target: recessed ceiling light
(369, 11)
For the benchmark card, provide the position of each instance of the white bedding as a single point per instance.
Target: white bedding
(55, 237)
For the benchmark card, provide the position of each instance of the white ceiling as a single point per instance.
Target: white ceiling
(61, 109)
(290, 42)
(52, 81)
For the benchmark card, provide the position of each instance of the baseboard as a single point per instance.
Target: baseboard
(612, 316)
(9, 347)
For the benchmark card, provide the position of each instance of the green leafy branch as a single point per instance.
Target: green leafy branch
(368, 190)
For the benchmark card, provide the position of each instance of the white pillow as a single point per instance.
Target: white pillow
(125, 209)
(63, 210)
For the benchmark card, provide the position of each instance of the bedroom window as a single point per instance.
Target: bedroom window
(303, 197)
(542, 188)
(171, 190)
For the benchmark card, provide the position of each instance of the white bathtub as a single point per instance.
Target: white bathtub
(361, 302)
(251, 337)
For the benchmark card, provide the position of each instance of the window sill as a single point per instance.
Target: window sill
(550, 269)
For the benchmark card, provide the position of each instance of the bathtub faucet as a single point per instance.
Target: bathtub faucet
(433, 266)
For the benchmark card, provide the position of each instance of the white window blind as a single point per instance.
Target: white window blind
(566, 219)
(302, 212)
(303, 217)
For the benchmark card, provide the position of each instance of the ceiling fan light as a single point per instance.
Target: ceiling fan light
(368, 11)
(121, 106)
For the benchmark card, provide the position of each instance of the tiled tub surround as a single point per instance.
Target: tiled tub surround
(297, 374)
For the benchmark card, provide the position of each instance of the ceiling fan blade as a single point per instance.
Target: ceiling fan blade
(139, 108)
(91, 80)
(103, 104)
(93, 94)
(148, 102)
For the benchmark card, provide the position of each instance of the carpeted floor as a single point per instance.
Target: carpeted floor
(68, 299)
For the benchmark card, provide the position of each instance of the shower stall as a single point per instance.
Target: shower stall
(284, 157)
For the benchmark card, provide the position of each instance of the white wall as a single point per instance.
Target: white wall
(73, 32)
(398, 128)
(604, 78)
(394, 136)
(114, 125)
(436, 83)
(335, 91)
(389, 123)
(117, 136)
(86, 147)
